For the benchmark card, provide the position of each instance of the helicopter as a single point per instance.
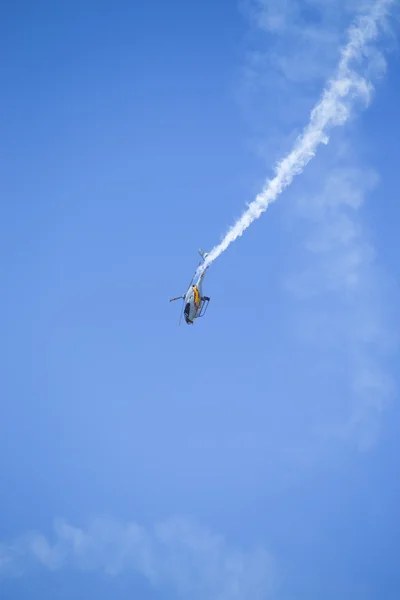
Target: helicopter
(195, 304)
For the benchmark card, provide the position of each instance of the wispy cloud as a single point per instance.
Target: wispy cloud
(338, 287)
(341, 300)
(292, 50)
(349, 85)
(176, 554)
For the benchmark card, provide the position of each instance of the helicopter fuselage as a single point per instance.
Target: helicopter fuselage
(194, 300)
(194, 303)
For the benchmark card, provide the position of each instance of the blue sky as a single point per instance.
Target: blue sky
(254, 455)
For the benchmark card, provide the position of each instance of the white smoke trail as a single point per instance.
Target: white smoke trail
(332, 110)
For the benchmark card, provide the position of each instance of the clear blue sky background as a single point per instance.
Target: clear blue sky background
(132, 134)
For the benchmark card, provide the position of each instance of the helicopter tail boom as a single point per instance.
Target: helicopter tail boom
(203, 254)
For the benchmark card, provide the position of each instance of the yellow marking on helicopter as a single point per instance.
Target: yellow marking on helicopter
(196, 295)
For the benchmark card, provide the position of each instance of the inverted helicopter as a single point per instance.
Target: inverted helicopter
(194, 303)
